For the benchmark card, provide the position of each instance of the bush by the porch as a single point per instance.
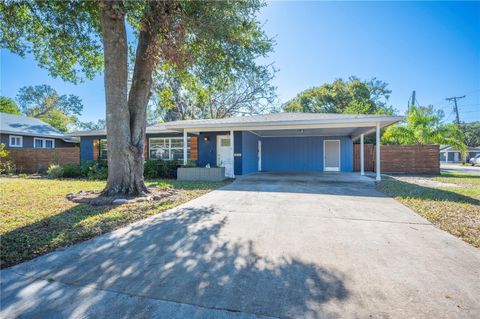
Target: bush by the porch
(161, 169)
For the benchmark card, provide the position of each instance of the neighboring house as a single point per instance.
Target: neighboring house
(18, 131)
(278, 142)
(449, 154)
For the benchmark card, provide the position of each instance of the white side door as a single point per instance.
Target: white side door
(224, 154)
(331, 155)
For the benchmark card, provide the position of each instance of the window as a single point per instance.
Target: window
(43, 143)
(102, 155)
(167, 148)
(225, 142)
(15, 141)
(37, 143)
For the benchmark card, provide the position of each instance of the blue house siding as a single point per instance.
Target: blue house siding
(279, 154)
(237, 149)
(283, 154)
(86, 148)
(249, 153)
(207, 150)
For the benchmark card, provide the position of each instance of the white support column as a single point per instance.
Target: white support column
(232, 143)
(377, 151)
(362, 157)
(185, 142)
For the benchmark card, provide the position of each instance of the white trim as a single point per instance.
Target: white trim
(362, 156)
(377, 153)
(43, 142)
(315, 135)
(332, 169)
(259, 155)
(232, 145)
(169, 145)
(254, 127)
(15, 136)
(185, 147)
(266, 125)
(49, 139)
(35, 139)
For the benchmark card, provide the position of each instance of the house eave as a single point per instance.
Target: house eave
(284, 125)
(65, 138)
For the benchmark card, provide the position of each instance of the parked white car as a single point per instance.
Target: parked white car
(475, 160)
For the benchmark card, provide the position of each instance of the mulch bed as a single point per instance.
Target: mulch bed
(97, 199)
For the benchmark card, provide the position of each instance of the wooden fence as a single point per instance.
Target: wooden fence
(402, 159)
(33, 160)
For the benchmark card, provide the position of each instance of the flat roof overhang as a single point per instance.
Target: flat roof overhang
(331, 127)
(353, 127)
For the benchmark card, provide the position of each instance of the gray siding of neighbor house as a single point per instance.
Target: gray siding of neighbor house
(28, 141)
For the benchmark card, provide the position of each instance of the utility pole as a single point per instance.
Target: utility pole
(455, 107)
(412, 104)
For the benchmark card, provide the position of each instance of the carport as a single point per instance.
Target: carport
(283, 142)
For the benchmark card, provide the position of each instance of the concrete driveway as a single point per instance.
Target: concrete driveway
(268, 245)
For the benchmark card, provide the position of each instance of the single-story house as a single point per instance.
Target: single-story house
(449, 154)
(278, 142)
(17, 131)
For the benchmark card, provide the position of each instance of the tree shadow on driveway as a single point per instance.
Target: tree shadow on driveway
(184, 256)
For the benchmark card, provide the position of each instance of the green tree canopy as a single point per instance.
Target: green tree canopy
(423, 125)
(353, 96)
(91, 125)
(43, 102)
(77, 39)
(7, 105)
(472, 133)
(181, 96)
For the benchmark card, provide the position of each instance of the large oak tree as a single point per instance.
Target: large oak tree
(76, 39)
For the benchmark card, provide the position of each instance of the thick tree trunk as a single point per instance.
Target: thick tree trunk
(127, 116)
(125, 154)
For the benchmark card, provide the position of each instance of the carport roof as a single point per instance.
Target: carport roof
(358, 123)
(277, 124)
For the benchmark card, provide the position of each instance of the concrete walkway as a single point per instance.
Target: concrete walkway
(268, 245)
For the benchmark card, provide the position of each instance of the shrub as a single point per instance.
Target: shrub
(7, 168)
(72, 170)
(55, 171)
(190, 163)
(97, 172)
(85, 167)
(23, 175)
(161, 169)
(3, 151)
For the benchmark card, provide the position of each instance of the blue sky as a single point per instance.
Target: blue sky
(430, 47)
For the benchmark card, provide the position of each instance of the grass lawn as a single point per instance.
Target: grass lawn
(36, 218)
(451, 202)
